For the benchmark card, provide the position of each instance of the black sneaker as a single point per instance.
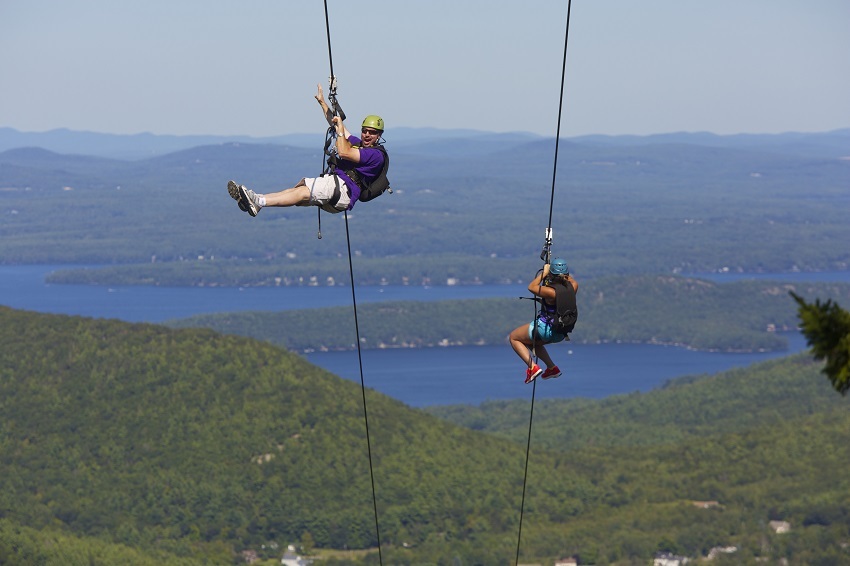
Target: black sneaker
(245, 198)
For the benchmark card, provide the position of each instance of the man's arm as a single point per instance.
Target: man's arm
(343, 147)
(329, 115)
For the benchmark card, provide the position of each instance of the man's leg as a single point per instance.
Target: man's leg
(296, 196)
(252, 202)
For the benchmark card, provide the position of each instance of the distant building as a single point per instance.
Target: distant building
(669, 559)
(718, 550)
(292, 559)
(706, 504)
(780, 527)
(566, 562)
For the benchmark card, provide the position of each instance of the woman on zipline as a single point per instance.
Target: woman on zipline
(360, 163)
(540, 332)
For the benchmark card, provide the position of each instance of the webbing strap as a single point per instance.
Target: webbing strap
(332, 95)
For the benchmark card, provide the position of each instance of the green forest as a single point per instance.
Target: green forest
(140, 444)
(699, 314)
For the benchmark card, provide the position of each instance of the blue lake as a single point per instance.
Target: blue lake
(23, 287)
(418, 377)
(473, 374)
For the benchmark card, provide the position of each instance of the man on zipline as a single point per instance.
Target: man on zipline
(361, 162)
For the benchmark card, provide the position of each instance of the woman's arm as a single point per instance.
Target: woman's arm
(537, 287)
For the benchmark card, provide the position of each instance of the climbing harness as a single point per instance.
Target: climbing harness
(332, 167)
(368, 189)
(329, 155)
(545, 256)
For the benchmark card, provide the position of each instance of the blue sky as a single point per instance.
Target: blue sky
(250, 67)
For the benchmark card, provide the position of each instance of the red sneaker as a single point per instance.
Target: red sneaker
(532, 373)
(551, 373)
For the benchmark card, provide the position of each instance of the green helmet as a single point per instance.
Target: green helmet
(372, 121)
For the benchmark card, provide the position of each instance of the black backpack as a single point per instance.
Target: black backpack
(376, 188)
(566, 310)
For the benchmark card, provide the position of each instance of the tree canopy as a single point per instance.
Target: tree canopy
(826, 327)
(136, 444)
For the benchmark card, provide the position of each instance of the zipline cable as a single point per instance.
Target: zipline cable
(363, 391)
(330, 51)
(545, 256)
(560, 113)
(338, 111)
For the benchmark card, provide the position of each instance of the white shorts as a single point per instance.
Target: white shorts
(322, 191)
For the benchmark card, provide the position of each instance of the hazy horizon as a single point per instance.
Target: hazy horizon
(192, 68)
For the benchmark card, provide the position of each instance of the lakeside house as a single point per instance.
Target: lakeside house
(780, 527)
(290, 558)
(669, 559)
(718, 550)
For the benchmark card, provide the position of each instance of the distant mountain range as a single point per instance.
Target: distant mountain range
(436, 141)
(684, 202)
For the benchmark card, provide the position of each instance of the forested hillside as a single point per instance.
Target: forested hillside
(130, 438)
(188, 437)
(686, 410)
(741, 316)
(52, 546)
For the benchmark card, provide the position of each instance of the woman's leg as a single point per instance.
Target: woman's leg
(540, 349)
(521, 344)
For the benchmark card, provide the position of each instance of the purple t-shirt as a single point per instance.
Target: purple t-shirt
(370, 167)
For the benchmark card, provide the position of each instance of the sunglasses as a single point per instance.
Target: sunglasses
(369, 131)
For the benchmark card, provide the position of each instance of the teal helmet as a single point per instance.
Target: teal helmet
(559, 267)
(374, 122)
